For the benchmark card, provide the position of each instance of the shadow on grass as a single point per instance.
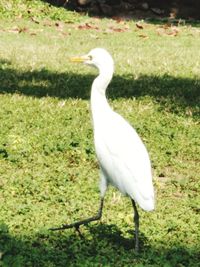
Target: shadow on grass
(188, 13)
(106, 248)
(173, 93)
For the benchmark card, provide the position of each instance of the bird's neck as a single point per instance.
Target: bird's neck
(99, 103)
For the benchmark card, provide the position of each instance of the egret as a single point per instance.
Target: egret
(123, 158)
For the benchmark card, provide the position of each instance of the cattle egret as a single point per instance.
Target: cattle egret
(123, 159)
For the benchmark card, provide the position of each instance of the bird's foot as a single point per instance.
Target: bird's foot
(76, 225)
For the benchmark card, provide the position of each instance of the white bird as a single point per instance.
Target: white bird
(123, 158)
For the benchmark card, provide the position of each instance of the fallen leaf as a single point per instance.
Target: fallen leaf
(139, 26)
(117, 29)
(118, 20)
(170, 31)
(143, 36)
(35, 31)
(83, 27)
(14, 30)
(87, 26)
(17, 29)
(35, 20)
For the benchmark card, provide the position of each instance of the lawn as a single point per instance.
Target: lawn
(49, 172)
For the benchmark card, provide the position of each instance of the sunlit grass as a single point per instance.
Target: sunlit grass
(49, 173)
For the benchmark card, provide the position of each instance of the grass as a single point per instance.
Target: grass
(49, 172)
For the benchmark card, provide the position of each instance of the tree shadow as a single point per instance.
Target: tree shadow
(107, 247)
(167, 11)
(173, 93)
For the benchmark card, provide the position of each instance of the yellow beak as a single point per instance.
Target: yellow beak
(80, 59)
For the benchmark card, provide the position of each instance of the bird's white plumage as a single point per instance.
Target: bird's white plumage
(123, 158)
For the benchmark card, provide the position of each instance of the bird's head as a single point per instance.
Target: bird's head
(97, 57)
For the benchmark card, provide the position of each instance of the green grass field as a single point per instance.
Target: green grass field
(49, 172)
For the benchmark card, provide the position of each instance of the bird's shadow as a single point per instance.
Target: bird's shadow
(111, 234)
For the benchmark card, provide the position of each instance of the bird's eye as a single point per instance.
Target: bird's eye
(90, 57)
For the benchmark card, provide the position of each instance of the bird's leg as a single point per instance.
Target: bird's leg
(76, 225)
(136, 222)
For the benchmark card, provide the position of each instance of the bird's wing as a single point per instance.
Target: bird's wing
(124, 159)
